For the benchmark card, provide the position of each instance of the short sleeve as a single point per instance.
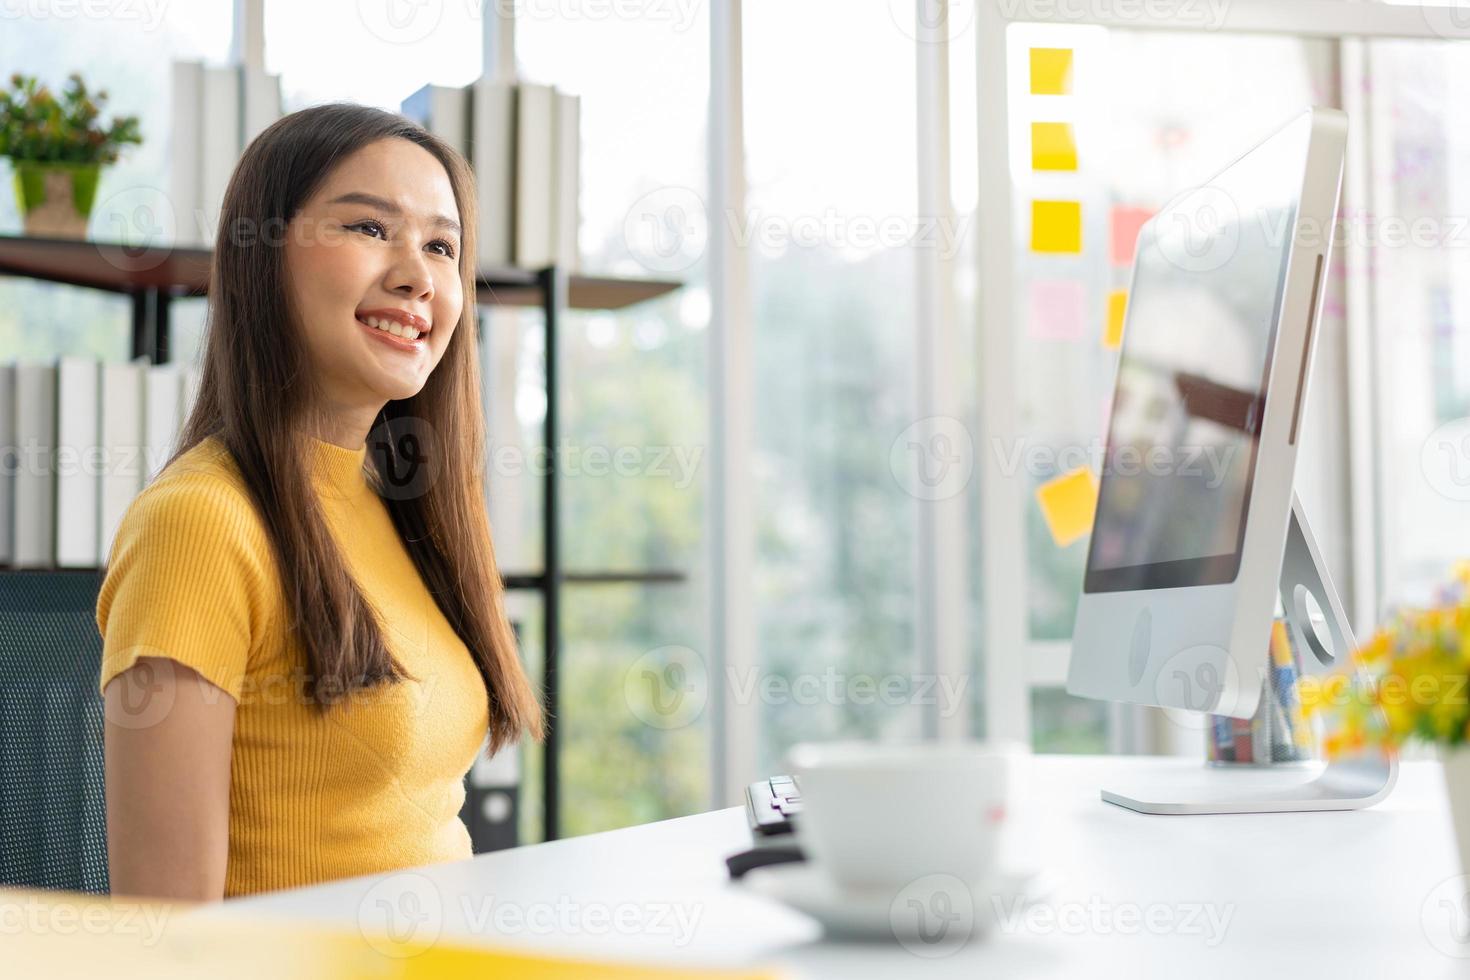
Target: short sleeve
(186, 581)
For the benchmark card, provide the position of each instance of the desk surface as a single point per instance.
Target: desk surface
(1294, 894)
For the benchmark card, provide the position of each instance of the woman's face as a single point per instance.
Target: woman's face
(379, 242)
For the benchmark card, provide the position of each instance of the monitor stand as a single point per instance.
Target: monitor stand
(1348, 784)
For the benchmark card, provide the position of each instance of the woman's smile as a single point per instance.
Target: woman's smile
(399, 329)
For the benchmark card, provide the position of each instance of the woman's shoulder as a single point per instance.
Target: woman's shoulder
(207, 467)
(190, 572)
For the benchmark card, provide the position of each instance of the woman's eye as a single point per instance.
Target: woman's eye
(448, 249)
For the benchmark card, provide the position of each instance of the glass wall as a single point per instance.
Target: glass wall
(1417, 229)
(634, 685)
(830, 226)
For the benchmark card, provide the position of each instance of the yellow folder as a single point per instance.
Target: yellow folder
(59, 935)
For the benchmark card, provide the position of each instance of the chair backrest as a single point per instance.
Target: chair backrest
(53, 818)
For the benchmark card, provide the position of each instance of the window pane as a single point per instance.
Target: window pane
(1419, 262)
(513, 390)
(831, 158)
(1062, 723)
(644, 87)
(371, 53)
(127, 51)
(43, 320)
(635, 725)
(631, 454)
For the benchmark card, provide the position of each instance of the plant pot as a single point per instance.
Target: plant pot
(1457, 788)
(55, 199)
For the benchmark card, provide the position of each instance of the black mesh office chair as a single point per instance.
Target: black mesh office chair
(53, 818)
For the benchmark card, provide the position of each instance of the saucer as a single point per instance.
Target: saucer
(922, 911)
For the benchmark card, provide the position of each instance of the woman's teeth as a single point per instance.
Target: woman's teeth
(394, 327)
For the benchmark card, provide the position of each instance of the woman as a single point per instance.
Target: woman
(304, 641)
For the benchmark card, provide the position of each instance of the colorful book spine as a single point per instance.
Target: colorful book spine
(1278, 732)
(1284, 676)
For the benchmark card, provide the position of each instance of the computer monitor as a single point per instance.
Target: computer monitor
(1189, 548)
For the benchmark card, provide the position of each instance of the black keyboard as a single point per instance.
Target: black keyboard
(772, 804)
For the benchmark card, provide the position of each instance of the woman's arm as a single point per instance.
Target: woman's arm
(166, 751)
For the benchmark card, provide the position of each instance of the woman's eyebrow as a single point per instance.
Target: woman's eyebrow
(383, 204)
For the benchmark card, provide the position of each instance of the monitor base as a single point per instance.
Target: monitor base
(1341, 785)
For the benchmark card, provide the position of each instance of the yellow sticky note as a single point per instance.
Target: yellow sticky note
(1068, 503)
(1056, 226)
(1051, 71)
(1053, 146)
(1113, 327)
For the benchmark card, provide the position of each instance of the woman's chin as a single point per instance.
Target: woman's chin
(397, 386)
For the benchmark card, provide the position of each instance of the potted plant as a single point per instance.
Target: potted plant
(58, 146)
(1411, 683)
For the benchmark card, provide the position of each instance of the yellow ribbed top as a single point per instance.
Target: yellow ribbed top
(373, 784)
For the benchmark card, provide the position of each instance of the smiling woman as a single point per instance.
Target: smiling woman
(305, 644)
(383, 214)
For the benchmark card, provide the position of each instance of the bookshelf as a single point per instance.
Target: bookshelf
(155, 275)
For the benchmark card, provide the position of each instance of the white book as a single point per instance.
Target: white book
(492, 146)
(122, 447)
(567, 196)
(260, 97)
(77, 462)
(188, 390)
(34, 527)
(184, 150)
(161, 394)
(443, 111)
(8, 463)
(220, 142)
(535, 175)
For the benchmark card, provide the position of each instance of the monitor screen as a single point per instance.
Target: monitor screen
(1209, 274)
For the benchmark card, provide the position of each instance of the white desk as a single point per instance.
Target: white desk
(1300, 894)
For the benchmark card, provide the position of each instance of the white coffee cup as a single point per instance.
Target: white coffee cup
(881, 815)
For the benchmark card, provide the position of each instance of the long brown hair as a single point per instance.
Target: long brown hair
(256, 394)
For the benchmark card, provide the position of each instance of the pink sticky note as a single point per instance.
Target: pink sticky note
(1058, 309)
(1126, 223)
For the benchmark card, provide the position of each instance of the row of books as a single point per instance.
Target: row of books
(524, 142)
(79, 438)
(217, 111)
(1280, 731)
